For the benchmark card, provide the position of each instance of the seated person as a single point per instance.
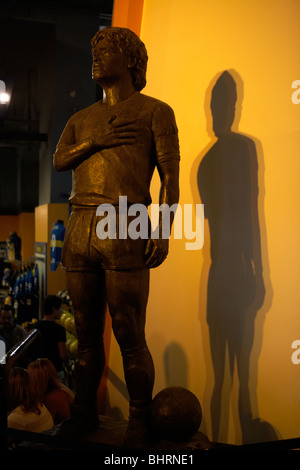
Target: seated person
(53, 335)
(55, 396)
(26, 411)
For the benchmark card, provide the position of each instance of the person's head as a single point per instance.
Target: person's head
(223, 103)
(43, 377)
(129, 44)
(21, 392)
(7, 317)
(52, 307)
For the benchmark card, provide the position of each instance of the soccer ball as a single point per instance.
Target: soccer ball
(176, 414)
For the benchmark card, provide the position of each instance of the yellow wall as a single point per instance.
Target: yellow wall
(8, 223)
(26, 227)
(45, 216)
(23, 225)
(189, 44)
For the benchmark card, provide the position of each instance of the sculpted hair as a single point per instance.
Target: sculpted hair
(129, 44)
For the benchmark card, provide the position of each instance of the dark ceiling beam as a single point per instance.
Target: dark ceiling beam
(17, 137)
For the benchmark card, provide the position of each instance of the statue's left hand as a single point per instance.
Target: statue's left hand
(156, 252)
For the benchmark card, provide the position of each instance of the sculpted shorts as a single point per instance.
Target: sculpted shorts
(84, 251)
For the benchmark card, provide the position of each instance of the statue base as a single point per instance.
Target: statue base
(111, 432)
(108, 437)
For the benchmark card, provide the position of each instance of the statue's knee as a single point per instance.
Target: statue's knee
(125, 331)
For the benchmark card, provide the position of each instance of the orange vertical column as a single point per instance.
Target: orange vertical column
(128, 14)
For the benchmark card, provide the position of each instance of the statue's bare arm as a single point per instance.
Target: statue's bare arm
(157, 249)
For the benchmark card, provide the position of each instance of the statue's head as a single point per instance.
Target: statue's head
(129, 44)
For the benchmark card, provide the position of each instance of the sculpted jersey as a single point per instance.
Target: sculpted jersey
(125, 170)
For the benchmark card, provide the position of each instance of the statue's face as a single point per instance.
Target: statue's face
(108, 62)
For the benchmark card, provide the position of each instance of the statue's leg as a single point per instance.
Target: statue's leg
(87, 292)
(127, 296)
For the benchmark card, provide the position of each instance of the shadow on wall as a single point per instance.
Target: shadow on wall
(235, 273)
(176, 366)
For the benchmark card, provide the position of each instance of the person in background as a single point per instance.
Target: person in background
(53, 335)
(9, 330)
(26, 412)
(51, 392)
(14, 247)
